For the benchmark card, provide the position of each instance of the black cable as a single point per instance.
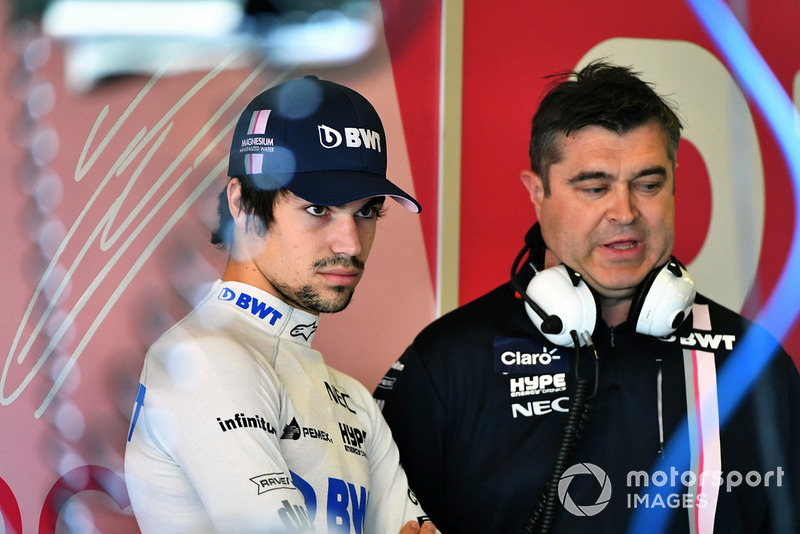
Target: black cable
(543, 517)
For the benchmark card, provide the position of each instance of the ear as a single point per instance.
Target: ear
(533, 183)
(234, 192)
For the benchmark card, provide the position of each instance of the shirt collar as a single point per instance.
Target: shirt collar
(270, 312)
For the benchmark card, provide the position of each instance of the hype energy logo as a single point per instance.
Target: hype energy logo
(251, 304)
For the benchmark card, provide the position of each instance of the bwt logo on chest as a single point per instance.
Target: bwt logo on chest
(252, 304)
(353, 138)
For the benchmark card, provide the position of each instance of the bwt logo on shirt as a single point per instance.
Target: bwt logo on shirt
(353, 138)
(342, 505)
(252, 304)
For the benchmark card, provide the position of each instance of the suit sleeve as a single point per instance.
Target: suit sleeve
(778, 393)
(414, 411)
(208, 440)
(391, 501)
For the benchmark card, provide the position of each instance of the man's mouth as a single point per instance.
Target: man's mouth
(341, 276)
(339, 263)
(622, 245)
(341, 272)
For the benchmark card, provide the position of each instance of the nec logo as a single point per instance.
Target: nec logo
(338, 397)
(353, 138)
(252, 304)
(541, 407)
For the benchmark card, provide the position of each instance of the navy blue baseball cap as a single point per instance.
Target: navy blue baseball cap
(320, 140)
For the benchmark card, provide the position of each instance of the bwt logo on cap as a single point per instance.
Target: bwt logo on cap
(353, 138)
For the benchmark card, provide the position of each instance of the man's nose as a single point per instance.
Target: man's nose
(622, 207)
(345, 238)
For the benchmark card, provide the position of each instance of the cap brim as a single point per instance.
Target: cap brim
(334, 188)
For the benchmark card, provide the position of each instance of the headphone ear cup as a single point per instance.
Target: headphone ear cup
(553, 290)
(663, 300)
(640, 296)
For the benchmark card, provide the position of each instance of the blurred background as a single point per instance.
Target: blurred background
(115, 123)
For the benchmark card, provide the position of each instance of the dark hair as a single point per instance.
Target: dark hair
(256, 202)
(600, 94)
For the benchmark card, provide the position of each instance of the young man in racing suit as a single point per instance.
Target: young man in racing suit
(239, 425)
(691, 429)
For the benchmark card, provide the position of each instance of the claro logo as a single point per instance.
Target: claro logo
(525, 358)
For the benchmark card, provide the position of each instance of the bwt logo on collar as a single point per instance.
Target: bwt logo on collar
(353, 138)
(252, 304)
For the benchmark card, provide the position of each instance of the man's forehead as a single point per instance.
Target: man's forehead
(613, 129)
(598, 137)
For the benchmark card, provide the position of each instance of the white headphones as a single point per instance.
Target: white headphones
(559, 301)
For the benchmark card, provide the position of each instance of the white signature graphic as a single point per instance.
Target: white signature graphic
(104, 237)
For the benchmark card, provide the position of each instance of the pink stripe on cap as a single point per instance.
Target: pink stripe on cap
(253, 163)
(258, 122)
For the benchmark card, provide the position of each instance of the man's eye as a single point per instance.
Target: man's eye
(317, 210)
(650, 186)
(368, 212)
(594, 190)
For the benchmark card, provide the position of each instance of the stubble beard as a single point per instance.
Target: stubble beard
(308, 298)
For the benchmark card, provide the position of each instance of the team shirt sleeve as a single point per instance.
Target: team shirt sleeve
(205, 451)
(414, 411)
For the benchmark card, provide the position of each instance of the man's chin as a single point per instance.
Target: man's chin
(617, 288)
(338, 302)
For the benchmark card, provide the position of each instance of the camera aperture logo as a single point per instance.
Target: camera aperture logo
(586, 509)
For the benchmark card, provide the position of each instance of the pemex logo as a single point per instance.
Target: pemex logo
(584, 469)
